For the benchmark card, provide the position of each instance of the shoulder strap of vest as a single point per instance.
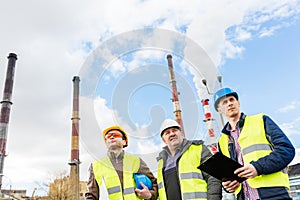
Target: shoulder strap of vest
(242, 121)
(267, 135)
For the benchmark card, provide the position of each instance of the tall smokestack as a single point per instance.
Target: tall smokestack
(208, 120)
(175, 100)
(74, 164)
(5, 109)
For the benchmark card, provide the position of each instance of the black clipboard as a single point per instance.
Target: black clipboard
(221, 167)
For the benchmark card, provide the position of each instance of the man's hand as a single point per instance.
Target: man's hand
(231, 186)
(143, 193)
(248, 171)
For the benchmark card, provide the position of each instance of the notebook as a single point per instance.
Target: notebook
(221, 167)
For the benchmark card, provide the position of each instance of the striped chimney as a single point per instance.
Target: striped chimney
(74, 164)
(5, 109)
(175, 99)
(209, 120)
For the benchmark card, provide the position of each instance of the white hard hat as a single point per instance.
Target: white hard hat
(168, 123)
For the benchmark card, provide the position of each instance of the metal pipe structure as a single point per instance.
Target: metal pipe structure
(209, 120)
(208, 92)
(220, 81)
(5, 109)
(175, 99)
(74, 163)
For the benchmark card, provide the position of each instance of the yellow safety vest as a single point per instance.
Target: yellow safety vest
(192, 184)
(253, 149)
(103, 169)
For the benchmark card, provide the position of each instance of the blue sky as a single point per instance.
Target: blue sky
(266, 75)
(253, 44)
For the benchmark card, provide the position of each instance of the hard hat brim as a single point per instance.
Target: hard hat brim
(162, 132)
(225, 95)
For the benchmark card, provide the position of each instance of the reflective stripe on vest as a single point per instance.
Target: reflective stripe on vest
(191, 180)
(128, 190)
(104, 169)
(160, 181)
(257, 147)
(113, 190)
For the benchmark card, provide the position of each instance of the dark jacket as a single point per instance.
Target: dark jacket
(214, 190)
(282, 154)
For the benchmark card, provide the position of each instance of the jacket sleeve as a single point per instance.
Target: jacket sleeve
(92, 186)
(283, 150)
(214, 186)
(145, 170)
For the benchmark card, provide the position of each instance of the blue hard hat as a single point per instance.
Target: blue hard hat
(222, 93)
(142, 178)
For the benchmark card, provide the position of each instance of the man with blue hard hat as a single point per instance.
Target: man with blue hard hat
(259, 145)
(223, 93)
(125, 176)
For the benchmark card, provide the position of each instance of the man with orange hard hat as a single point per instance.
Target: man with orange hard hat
(120, 172)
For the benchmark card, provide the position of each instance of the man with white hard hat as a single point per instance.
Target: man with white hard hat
(178, 177)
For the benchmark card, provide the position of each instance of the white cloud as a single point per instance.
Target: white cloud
(292, 127)
(258, 20)
(243, 35)
(266, 32)
(291, 106)
(232, 51)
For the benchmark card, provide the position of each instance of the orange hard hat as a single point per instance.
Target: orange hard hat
(115, 127)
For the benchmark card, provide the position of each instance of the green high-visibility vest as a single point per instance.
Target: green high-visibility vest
(192, 184)
(103, 169)
(254, 145)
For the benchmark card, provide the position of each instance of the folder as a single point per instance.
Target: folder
(221, 167)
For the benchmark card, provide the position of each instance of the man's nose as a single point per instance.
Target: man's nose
(112, 136)
(172, 132)
(229, 103)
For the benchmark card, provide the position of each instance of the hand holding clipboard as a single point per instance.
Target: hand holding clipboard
(221, 167)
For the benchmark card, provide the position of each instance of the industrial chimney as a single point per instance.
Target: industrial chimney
(74, 163)
(5, 109)
(175, 99)
(212, 144)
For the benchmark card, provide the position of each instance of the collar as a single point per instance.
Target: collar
(165, 150)
(181, 148)
(113, 155)
(240, 124)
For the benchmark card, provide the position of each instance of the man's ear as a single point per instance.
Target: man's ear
(219, 109)
(163, 139)
(181, 133)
